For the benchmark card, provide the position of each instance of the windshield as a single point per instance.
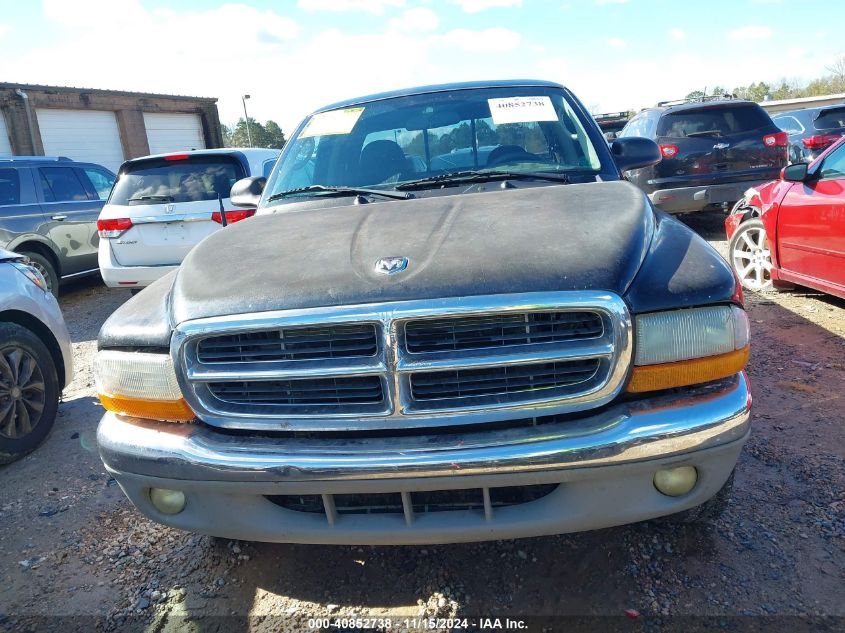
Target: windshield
(189, 180)
(723, 120)
(388, 142)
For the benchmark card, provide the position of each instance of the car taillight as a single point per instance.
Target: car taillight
(114, 227)
(819, 141)
(176, 157)
(668, 151)
(778, 139)
(233, 216)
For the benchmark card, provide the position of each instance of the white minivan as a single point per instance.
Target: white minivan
(162, 206)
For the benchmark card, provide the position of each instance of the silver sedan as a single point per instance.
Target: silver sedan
(35, 357)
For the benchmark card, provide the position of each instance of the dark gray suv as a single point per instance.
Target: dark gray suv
(713, 150)
(48, 212)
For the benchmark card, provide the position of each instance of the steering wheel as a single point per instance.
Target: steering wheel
(303, 153)
(508, 154)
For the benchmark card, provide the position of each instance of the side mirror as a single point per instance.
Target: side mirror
(633, 152)
(247, 192)
(796, 172)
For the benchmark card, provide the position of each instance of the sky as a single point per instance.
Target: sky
(292, 56)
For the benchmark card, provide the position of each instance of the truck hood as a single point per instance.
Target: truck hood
(561, 237)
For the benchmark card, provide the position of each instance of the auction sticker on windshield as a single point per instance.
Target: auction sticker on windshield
(522, 110)
(332, 122)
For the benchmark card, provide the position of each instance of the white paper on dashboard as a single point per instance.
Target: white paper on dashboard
(522, 110)
(332, 122)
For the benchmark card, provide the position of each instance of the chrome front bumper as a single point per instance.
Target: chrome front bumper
(605, 464)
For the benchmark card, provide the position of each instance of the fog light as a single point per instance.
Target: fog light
(675, 482)
(167, 501)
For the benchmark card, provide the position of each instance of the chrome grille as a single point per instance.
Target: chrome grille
(511, 382)
(330, 392)
(403, 365)
(500, 330)
(296, 343)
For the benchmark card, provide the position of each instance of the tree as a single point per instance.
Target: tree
(700, 94)
(269, 135)
(837, 68)
(275, 137)
(754, 91)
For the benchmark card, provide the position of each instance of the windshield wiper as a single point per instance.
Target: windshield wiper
(704, 133)
(157, 198)
(478, 175)
(352, 191)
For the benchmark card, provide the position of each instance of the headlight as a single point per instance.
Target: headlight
(686, 347)
(140, 385)
(32, 273)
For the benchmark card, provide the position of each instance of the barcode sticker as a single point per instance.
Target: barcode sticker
(522, 110)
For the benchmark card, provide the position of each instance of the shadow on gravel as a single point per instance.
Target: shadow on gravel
(708, 224)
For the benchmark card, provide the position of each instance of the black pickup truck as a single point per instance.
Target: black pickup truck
(450, 320)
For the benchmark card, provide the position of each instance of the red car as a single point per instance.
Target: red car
(792, 231)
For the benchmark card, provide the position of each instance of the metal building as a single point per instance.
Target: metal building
(102, 126)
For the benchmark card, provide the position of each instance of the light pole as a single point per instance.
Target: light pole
(246, 118)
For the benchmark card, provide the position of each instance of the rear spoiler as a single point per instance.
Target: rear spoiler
(612, 115)
(827, 109)
(705, 99)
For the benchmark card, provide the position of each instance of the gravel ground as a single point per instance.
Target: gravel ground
(71, 544)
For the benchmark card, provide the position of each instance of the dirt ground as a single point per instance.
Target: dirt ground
(72, 545)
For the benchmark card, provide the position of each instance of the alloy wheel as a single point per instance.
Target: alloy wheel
(752, 258)
(22, 393)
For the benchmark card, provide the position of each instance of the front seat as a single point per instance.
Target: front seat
(381, 161)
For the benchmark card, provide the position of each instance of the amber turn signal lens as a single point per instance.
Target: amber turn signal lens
(169, 410)
(687, 372)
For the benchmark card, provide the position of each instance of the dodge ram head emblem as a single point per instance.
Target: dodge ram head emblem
(391, 265)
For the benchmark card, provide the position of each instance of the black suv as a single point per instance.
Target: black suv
(48, 212)
(811, 131)
(713, 150)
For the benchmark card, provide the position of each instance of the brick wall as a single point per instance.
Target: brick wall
(128, 108)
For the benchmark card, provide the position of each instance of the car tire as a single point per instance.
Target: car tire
(46, 268)
(710, 510)
(750, 256)
(29, 392)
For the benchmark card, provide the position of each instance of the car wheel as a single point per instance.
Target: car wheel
(751, 257)
(45, 267)
(710, 510)
(29, 392)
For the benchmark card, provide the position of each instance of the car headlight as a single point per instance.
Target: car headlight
(687, 347)
(32, 273)
(141, 385)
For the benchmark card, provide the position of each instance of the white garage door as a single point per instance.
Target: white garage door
(88, 135)
(5, 146)
(173, 132)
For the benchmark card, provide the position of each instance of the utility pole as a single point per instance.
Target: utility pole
(246, 118)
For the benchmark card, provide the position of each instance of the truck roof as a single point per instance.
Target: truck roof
(464, 85)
